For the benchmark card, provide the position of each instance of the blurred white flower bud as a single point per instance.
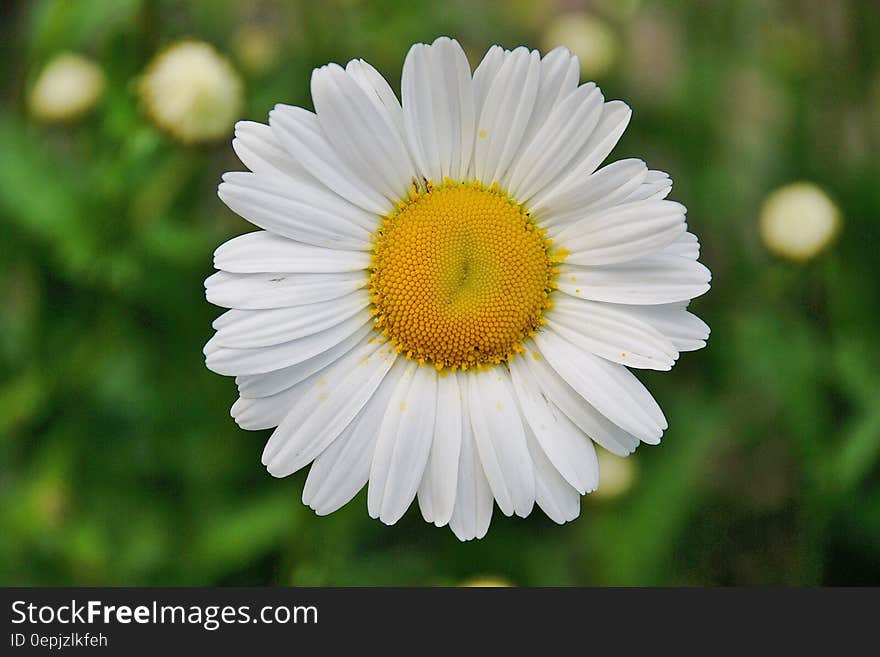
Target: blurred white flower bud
(588, 37)
(67, 88)
(192, 92)
(798, 221)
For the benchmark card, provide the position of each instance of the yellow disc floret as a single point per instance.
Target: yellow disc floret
(460, 276)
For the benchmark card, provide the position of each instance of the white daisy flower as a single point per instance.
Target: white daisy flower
(446, 293)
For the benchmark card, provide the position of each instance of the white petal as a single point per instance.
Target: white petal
(612, 333)
(322, 412)
(279, 290)
(263, 251)
(501, 441)
(610, 388)
(571, 452)
(655, 279)
(657, 185)
(584, 415)
(621, 233)
(685, 330)
(440, 479)
(686, 246)
(259, 150)
(377, 90)
(341, 470)
(438, 108)
(267, 412)
(364, 136)
(485, 74)
(234, 362)
(248, 329)
(615, 117)
(303, 213)
(473, 497)
(556, 143)
(291, 192)
(270, 383)
(300, 133)
(554, 495)
(607, 187)
(505, 114)
(403, 445)
(560, 72)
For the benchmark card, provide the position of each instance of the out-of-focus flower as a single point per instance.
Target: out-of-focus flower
(588, 37)
(798, 221)
(192, 92)
(67, 88)
(486, 582)
(256, 47)
(616, 475)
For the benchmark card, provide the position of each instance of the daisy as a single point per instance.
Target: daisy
(446, 294)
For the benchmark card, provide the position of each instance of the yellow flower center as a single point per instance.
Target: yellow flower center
(460, 276)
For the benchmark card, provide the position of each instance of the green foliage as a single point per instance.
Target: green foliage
(119, 464)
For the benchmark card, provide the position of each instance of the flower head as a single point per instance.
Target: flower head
(192, 92)
(67, 88)
(446, 293)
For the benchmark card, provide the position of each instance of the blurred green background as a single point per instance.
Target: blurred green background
(119, 463)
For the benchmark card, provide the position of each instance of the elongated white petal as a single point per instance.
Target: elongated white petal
(301, 135)
(610, 332)
(279, 290)
(657, 185)
(505, 114)
(438, 109)
(593, 423)
(322, 412)
(248, 329)
(267, 412)
(403, 445)
(609, 186)
(485, 74)
(686, 246)
(473, 497)
(308, 215)
(569, 450)
(378, 91)
(654, 279)
(270, 383)
(341, 470)
(615, 117)
(610, 388)
(560, 72)
(259, 150)
(556, 143)
(553, 493)
(621, 233)
(501, 441)
(440, 480)
(363, 135)
(265, 252)
(234, 362)
(683, 329)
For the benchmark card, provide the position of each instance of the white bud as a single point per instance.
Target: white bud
(798, 221)
(192, 92)
(66, 89)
